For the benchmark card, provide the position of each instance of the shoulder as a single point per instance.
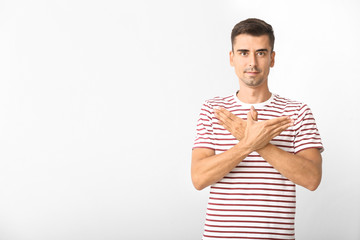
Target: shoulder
(218, 101)
(289, 104)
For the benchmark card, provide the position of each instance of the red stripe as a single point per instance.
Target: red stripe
(283, 234)
(252, 200)
(204, 139)
(284, 135)
(208, 143)
(260, 183)
(252, 161)
(201, 129)
(258, 178)
(303, 127)
(254, 194)
(250, 216)
(202, 134)
(250, 205)
(255, 238)
(251, 211)
(222, 103)
(276, 173)
(203, 147)
(305, 139)
(284, 146)
(242, 221)
(304, 106)
(203, 109)
(302, 115)
(222, 134)
(227, 139)
(223, 144)
(282, 140)
(307, 134)
(203, 124)
(254, 189)
(309, 143)
(254, 167)
(223, 226)
(204, 119)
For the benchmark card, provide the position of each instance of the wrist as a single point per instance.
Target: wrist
(243, 147)
(264, 149)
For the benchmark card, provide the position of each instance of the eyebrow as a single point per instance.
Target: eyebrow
(246, 50)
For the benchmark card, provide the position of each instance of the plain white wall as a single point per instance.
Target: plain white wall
(99, 102)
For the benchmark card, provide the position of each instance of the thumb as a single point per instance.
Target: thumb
(254, 113)
(250, 119)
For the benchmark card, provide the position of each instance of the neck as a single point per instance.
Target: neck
(253, 95)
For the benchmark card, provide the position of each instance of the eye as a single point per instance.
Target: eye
(261, 54)
(243, 53)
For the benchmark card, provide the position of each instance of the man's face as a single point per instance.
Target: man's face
(252, 58)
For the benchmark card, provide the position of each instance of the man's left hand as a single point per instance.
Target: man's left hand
(235, 125)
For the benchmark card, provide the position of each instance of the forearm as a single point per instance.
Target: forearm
(299, 169)
(209, 170)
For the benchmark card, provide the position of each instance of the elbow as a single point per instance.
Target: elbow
(198, 187)
(314, 184)
(197, 183)
(313, 187)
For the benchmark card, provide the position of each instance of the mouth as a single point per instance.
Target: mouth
(252, 73)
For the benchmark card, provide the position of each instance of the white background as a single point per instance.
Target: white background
(99, 102)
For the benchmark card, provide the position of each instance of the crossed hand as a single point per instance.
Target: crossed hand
(254, 134)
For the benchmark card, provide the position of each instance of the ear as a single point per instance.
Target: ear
(272, 59)
(231, 55)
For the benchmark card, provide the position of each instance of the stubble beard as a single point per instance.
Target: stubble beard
(252, 82)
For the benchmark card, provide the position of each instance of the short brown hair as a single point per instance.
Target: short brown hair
(253, 27)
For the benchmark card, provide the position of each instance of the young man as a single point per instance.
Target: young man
(252, 147)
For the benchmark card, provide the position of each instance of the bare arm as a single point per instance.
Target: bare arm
(208, 168)
(303, 168)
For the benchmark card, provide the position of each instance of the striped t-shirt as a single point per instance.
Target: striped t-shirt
(254, 201)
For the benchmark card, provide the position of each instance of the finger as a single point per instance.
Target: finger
(229, 117)
(280, 124)
(227, 113)
(221, 116)
(250, 120)
(225, 125)
(254, 113)
(223, 119)
(279, 120)
(278, 130)
(283, 124)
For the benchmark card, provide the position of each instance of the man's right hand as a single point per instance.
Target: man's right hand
(258, 134)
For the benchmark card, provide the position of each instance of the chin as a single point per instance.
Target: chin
(253, 83)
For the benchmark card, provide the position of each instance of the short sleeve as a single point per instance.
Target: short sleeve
(307, 133)
(204, 128)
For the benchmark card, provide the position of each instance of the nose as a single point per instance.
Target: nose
(252, 60)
